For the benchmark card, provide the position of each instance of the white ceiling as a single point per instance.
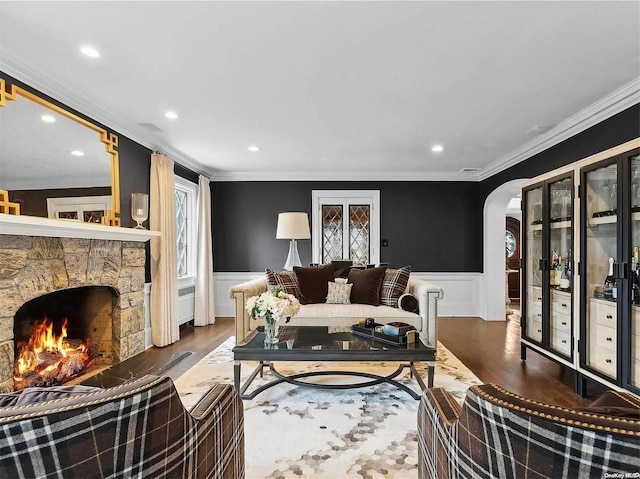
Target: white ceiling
(334, 90)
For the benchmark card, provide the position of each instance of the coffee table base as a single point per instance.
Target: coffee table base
(293, 379)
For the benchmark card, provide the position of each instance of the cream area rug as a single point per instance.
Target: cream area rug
(306, 432)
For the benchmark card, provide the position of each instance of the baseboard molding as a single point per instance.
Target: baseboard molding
(461, 291)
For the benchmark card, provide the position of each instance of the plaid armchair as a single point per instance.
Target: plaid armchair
(496, 434)
(138, 429)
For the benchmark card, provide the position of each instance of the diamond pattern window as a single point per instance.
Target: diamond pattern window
(186, 217)
(345, 225)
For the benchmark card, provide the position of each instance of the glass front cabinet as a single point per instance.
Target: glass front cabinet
(547, 303)
(581, 268)
(610, 243)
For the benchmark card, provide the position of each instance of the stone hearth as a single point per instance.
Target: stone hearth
(31, 266)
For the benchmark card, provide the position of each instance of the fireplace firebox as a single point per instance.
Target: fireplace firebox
(61, 335)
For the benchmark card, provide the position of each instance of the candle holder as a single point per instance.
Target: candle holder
(139, 209)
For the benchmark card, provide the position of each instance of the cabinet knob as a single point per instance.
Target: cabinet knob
(564, 323)
(609, 339)
(609, 316)
(539, 330)
(539, 315)
(564, 341)
(539, 298)
(564, 305)
(607, 360)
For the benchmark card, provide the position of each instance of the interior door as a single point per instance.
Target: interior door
(512, 248)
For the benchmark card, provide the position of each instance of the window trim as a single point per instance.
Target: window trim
(345, 197)
(191, 190)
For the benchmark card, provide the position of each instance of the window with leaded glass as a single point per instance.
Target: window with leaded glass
(345, 225)
(186, 228)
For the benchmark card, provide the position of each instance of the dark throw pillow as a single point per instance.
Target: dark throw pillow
(366, 285)
(287, 280)
(313, 283)
(394, 285)
(408, 302)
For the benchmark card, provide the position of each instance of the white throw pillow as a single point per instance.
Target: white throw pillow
(339, 293)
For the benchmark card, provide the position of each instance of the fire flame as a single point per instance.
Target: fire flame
(42, 340)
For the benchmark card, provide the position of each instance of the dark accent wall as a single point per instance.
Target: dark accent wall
(430, 225)
(433, 226)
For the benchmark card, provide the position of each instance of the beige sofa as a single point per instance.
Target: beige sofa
(324, 314)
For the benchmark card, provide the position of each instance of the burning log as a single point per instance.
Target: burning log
(48, 359)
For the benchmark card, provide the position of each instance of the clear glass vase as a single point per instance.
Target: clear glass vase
(271, 327)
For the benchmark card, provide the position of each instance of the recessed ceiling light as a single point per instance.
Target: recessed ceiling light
(77, 153)
(172, 115)
(437, 148)
(48, 118)
(254, 148)
(90, 52)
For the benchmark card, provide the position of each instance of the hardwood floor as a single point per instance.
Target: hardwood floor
(490, 349)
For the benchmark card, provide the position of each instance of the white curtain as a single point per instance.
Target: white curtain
(164, 268)
(204, 311)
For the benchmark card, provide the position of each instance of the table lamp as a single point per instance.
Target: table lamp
(293, 226)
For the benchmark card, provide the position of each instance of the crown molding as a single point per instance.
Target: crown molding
(621, 99)
(225, 176)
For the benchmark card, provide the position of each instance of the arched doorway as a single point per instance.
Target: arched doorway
(493, 307)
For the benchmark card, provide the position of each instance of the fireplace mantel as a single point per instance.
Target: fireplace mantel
(33, 226)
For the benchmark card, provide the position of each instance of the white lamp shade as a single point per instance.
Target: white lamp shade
(293, 226)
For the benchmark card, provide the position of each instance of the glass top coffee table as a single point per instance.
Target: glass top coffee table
(322, 343)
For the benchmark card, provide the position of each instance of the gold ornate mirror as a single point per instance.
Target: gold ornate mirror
(54, 163)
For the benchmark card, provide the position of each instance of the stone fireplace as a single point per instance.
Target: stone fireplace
(34, 266)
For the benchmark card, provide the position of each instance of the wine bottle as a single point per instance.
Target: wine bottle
(554, 276)
(635, 281)
(610, 288)
(564, 279)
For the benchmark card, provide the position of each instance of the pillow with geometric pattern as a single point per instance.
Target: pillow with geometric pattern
(287, 280)
(394, 285)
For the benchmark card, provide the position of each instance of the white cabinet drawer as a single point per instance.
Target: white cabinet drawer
(561, 322)
(534, 329)
(603, 312)
(606, 337)
(535, 312)
(635, 347)
(604, 360)
(535, 294)
(561, 302)
(561, 341)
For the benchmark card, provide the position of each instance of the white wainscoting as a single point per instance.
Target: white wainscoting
(461, 291)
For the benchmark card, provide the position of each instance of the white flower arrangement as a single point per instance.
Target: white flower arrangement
(273, 305)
